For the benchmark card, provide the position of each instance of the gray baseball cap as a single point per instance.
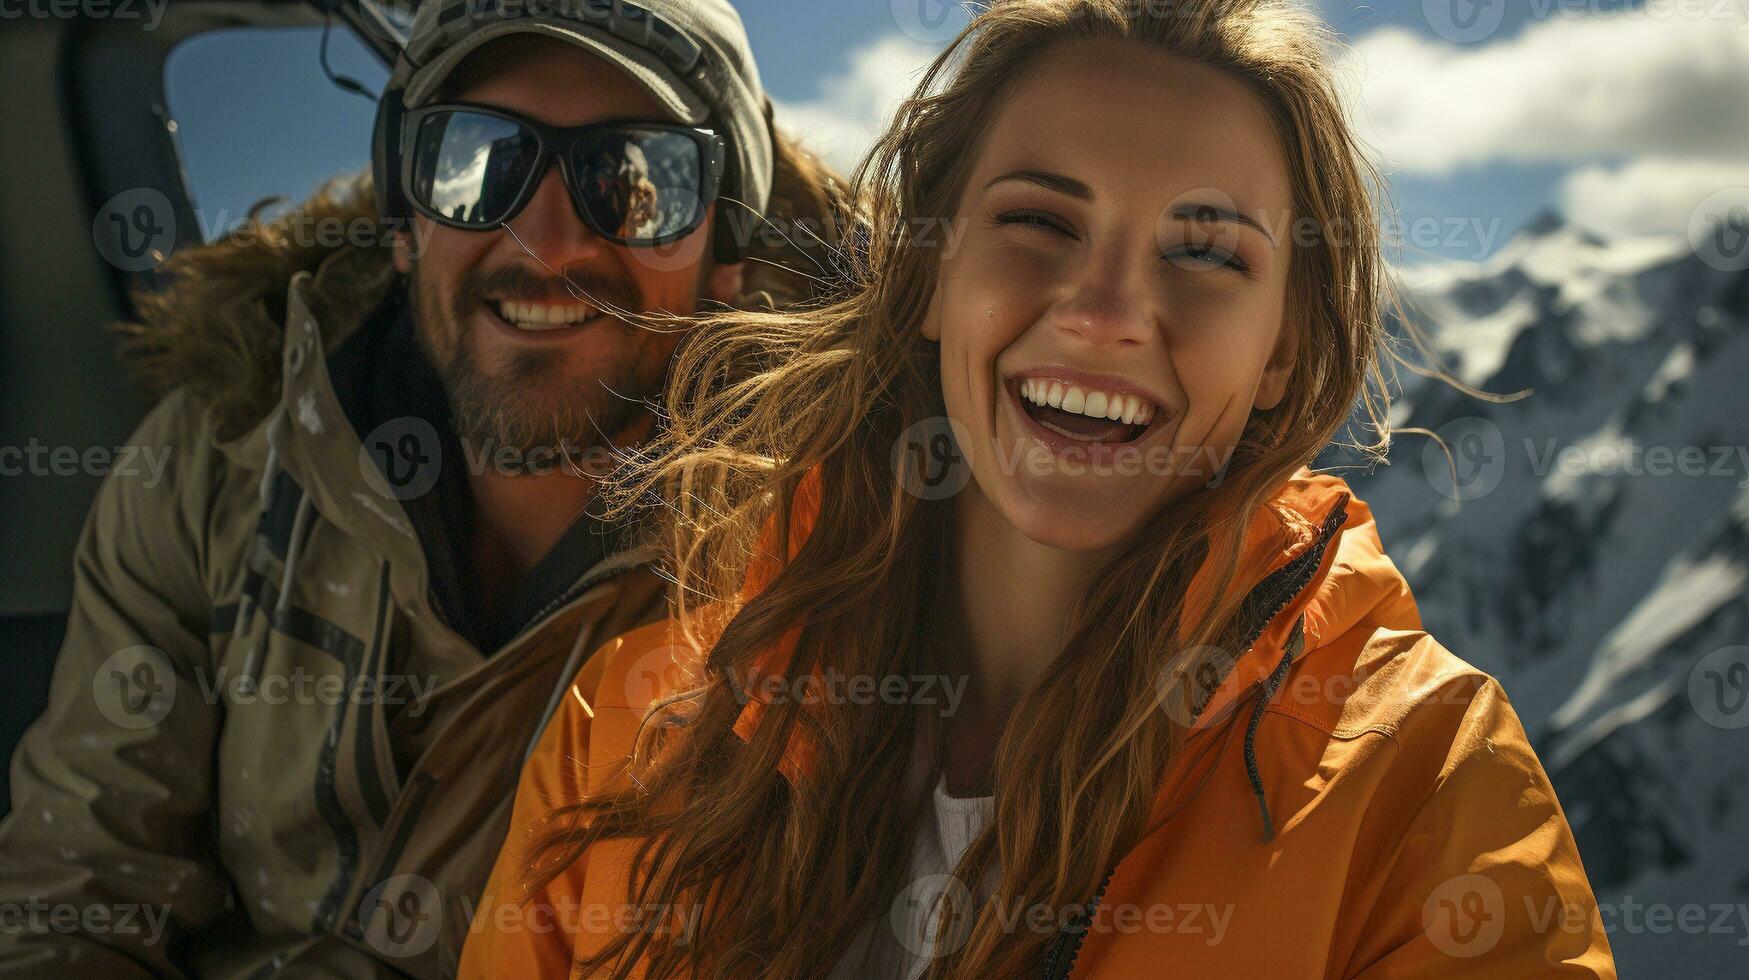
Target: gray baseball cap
(691, 55)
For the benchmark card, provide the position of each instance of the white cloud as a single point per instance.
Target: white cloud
(1565, 89)
(854, 106)
(1651, 194)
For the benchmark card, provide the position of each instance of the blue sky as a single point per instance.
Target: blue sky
(1625, 116)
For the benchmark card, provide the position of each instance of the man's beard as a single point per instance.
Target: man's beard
(533, 404)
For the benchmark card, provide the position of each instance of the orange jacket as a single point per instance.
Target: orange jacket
(1353, 801)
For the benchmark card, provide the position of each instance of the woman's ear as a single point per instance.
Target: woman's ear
(1272, 387)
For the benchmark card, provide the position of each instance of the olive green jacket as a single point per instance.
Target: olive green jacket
(265, 753)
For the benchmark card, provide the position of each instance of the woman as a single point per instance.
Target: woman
(1015, 638)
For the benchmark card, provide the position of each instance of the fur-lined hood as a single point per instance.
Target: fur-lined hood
(216, 324)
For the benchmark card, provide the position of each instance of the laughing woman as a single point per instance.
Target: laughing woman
(1015, 637)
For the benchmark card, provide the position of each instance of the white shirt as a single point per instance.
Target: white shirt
(901, 944)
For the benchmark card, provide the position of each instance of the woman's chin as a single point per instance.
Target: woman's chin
(1074, 516)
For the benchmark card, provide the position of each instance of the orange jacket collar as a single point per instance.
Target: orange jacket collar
(1284, 530)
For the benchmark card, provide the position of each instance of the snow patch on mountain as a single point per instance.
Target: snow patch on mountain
(1593, 553)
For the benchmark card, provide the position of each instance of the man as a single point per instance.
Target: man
(301, 673)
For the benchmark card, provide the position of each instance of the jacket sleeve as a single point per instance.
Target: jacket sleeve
(1486, 881)
(108, 849)
(516, 933)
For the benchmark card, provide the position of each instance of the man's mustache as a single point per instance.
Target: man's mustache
(517, 282)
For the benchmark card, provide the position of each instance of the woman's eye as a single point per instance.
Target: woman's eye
(1214, 258)
(1037, 219)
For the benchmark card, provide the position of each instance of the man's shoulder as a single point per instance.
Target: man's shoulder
(180, 429)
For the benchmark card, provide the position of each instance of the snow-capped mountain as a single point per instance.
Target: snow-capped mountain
(1592, 552)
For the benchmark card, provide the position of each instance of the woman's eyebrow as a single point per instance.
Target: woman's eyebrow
(1214, 212)
(1191, 210)
(1049, 181)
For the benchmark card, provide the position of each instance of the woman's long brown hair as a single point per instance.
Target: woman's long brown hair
(784, 873)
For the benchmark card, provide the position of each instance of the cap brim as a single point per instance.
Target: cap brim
(644, 68)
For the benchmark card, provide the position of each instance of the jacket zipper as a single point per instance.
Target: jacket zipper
(1060, 958)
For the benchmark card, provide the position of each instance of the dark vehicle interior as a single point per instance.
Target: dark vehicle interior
(97, 191)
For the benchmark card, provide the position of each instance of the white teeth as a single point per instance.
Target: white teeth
(543, 316)
(1128, 409)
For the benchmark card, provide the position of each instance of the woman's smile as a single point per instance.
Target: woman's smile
(1083, 415)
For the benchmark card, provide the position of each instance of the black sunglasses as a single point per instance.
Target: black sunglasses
(633, 183)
